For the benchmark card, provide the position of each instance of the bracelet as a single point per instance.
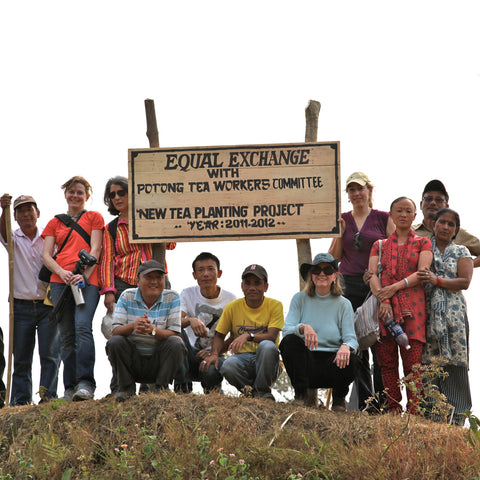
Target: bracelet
(439, 282)
(406, 282)
(211, 353)
(387, 300)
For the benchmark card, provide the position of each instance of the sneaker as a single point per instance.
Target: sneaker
(122, 395)
(82, 394)
(68, 394)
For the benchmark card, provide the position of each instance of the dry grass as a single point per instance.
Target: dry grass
(167, 436)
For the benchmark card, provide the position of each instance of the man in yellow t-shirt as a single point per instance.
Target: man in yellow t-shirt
(254, 322)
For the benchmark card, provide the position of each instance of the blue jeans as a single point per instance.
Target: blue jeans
(260, 370)
(76, 337)
(30, 319)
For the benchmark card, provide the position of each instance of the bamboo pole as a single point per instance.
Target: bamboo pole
(304, 251)
(158, 249)
(8, 226)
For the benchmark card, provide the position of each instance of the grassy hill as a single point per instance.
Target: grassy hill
(167, 436)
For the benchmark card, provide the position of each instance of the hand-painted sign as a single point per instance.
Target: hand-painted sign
(245, 192)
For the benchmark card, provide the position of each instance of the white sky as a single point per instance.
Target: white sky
(398, 83)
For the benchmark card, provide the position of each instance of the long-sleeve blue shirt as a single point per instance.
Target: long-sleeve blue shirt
(330, 316)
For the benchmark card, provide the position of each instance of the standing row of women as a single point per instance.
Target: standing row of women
(419, 287)
(118, 271)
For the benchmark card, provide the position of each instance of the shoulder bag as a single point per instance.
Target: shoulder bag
(366, 316)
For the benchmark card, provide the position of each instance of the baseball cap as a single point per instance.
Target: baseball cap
(150, 266)
(22, 199)
(256, 270)
(319, 258)
(358, 177)
(435, 186)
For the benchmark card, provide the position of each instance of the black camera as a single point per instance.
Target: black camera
(86, 259)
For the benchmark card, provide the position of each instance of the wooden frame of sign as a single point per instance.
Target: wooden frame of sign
(245, 192)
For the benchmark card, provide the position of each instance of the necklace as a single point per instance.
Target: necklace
(76, 217)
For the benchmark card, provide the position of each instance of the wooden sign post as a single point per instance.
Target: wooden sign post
(304, 251)
(158, 249)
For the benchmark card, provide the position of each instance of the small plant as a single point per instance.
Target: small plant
(226, 466)
(474, 429)
(429, 401)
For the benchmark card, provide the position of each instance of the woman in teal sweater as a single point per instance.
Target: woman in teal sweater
(319, 341)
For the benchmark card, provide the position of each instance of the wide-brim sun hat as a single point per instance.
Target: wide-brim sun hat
(319, 258)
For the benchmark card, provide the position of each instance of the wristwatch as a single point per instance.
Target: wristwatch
(154, 331)
(252, 336)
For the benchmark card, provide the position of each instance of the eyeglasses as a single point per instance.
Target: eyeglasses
(120, 193)
(430, 199)
(357, 242)
(328, 270)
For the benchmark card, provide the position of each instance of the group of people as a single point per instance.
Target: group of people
(158, 337)
(417, 272)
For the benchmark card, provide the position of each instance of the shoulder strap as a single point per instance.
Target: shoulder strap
(66, 220)
(112, 229)
(379, 265)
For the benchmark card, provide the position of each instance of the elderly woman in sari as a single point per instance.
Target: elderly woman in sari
(447, 329)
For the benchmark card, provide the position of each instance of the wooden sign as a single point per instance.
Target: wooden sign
(245, 192)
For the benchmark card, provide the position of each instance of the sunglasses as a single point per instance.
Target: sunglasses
(120, 193)
(328, 270)
(357, 242)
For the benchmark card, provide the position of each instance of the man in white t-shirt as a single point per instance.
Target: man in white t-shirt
(202, 306)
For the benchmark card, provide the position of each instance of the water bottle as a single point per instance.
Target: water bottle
(397, 332)
(77, 293)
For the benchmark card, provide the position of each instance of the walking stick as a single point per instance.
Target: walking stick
(8, 225)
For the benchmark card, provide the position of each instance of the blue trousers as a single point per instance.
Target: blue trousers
(259, 370)
(31, 319)
(76, 338)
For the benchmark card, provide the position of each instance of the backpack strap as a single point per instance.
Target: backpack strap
(112, 229)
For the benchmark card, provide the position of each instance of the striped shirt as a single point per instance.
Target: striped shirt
(122, 259)
(163, 314)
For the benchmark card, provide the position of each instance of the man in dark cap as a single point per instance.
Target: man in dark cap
(254, 322)
(145, 346)
(434, 198)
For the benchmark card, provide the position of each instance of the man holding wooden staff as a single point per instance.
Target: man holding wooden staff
(30, 312)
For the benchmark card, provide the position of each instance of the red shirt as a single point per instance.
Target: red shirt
(68, 257)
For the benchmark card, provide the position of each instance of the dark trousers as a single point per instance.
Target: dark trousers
(356, 291)
(314, 369)
(130, 367)
(190, 371)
